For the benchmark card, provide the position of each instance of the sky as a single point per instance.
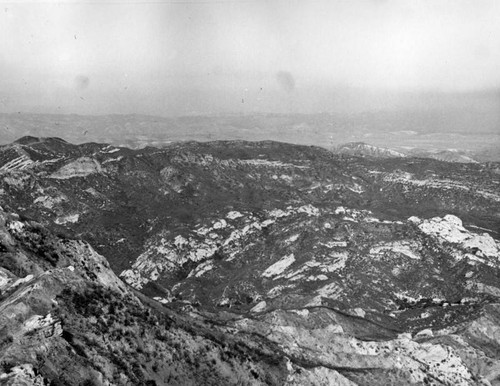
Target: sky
(232, 56)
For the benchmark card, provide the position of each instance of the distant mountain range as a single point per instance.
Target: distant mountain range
(425, 132)
(364, 149)
(237, 262)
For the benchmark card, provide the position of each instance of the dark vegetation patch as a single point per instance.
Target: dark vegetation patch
(151, 344)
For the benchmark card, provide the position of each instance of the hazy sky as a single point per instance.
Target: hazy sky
(184, 57)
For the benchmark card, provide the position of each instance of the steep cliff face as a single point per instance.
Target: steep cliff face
(245, 263)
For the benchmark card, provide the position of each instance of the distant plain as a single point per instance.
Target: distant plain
(462, 126)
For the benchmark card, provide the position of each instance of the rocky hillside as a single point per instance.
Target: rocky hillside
(66, 319)
(264, 262)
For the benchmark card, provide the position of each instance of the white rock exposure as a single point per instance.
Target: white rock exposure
(450, 229)
(49, 202)
(80, 167)
(280, 266)
(163, 255)
(71, 218)
(397, 247)
(406, 178)
(261, 306)
(234, 215)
